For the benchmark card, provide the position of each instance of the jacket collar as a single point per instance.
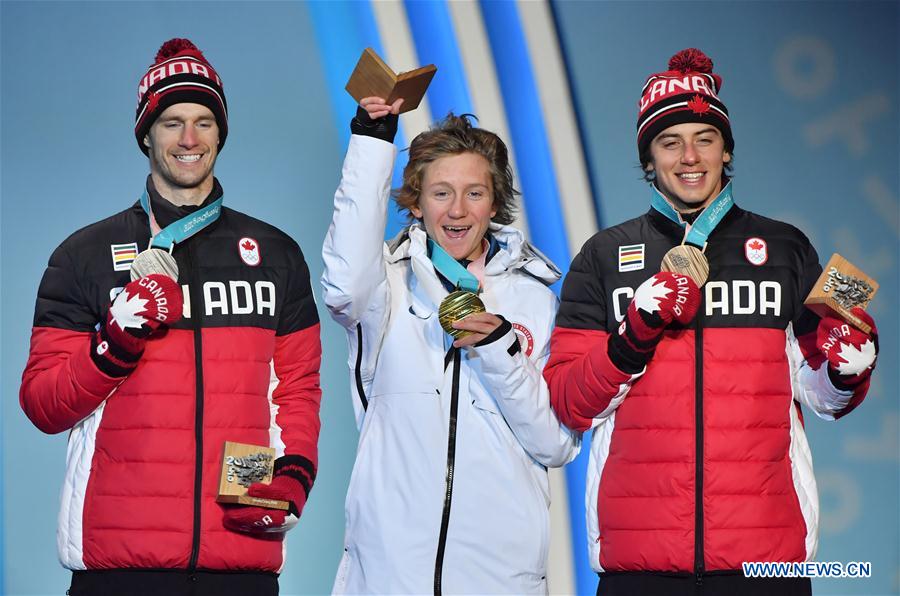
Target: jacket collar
(514, 253)
(166, 212)
(671, 229)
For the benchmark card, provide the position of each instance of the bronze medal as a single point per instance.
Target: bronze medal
(456, 306)
(687, 259)
(154, 260)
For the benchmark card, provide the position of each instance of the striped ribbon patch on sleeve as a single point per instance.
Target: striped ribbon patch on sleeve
(631, 257)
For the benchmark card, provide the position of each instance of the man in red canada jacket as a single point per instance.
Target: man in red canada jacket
(699, 461)
(152, 376)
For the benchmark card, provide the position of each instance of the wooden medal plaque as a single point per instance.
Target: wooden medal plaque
(373, 78)
(841, 287)
(241, 459)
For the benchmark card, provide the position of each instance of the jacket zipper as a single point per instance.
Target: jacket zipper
(197, 324)
(451, 461)
(699, 563)
(358, 372)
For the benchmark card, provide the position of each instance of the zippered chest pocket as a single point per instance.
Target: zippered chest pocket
(411, 355)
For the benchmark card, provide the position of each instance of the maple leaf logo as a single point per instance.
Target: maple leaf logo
(698, 105)
(756, 245)
(248, 250)
(152, 101)
(648, 295)
(855, 360)
(125, 312)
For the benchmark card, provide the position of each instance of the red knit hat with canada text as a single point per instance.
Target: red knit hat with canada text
(180, 74)
(687, 92)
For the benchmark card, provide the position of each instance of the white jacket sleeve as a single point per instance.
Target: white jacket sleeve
(354, 281)
(811, 385)
(522, 395)
(810, 381)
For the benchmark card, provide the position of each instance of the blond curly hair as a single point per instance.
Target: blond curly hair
(452, 136)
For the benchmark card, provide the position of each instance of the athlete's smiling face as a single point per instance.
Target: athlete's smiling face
(456, 203)
(689, 160)
(183, 145)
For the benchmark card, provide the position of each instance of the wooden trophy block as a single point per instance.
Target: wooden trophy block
(373, 78)
(840, 288)
(242, 465)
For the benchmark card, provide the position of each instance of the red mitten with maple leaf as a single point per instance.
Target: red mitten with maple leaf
(851, 353)
(138, 311)
(662, 299)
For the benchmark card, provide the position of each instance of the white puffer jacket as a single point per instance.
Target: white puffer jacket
(449, 492)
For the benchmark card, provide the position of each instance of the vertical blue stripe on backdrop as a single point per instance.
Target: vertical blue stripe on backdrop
(544, 210)
(435, 41)
(583, 136)
(526, 126)
(576, 472)
(2, 514)
(343, 30)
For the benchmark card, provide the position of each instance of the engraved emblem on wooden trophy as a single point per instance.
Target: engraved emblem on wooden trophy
(841, 287)
(242, 465)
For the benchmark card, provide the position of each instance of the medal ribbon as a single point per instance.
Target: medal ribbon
(450, 268)
(184, 228)
(706, 222)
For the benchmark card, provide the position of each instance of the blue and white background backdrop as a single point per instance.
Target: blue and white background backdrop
(813, 93)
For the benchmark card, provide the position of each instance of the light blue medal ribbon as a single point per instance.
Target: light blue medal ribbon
(705, 223)
(450, 268)
(184, 228)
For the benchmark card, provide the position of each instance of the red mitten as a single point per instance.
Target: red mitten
(662, 299)
(291, 480)
(138, 311)
(851, 353)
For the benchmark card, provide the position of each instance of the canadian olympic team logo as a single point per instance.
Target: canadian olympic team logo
(526, 340)
(756, 251)
(248, 248)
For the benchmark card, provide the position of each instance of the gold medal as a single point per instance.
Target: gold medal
(154, 260)
(457, 306)
(687, 259)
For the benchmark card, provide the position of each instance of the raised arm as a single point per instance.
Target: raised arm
(355, 281)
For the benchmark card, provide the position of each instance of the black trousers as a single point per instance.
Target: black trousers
(726, 584)
(135, 582)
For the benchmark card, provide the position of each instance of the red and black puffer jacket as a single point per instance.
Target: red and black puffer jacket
(701, 462)
(145, 451)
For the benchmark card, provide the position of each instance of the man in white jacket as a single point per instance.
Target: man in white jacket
(449, 493)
